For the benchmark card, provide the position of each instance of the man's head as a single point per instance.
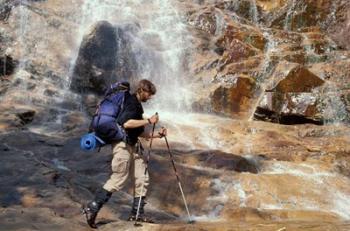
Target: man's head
(145, 90)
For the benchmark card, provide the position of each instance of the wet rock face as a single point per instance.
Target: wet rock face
(233, 96)
(5, 9)
(340, 31)
(104, 57)
(292, 96)
(276, 44)
(205, 21)
(26, 116)
(7, 5)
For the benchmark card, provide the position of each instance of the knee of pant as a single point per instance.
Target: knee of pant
(142, 180)
(120, 165)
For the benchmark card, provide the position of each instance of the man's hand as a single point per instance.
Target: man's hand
(162, 132)
(154, 119)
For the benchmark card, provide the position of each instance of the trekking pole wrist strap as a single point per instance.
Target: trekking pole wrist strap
(149, 121)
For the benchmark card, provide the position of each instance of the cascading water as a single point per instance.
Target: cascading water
(159, 46)
(254, 12)
(288, 19)
(23, 27)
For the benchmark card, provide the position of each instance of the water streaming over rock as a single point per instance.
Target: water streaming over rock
(159, 44)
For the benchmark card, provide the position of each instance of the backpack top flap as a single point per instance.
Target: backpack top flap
(113, 102)
(116, 87)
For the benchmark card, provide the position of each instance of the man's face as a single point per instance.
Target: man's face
(145, 96)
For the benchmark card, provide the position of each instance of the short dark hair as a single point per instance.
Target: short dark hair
(146, 85)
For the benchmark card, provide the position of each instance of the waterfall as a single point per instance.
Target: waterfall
(23, 21)
(254, 12)
(289, 16)
(159, 47)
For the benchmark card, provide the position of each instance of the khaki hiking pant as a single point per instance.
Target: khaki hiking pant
(127, 163)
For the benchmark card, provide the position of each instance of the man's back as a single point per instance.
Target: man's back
(132, 110)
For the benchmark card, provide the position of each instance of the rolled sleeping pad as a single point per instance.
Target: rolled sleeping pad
(90, 142)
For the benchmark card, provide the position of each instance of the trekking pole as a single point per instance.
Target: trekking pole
(146, 169)
(178, 181)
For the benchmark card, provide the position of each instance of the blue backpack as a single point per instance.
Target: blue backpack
(104, 122)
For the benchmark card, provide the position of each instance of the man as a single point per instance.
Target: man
(127, 160)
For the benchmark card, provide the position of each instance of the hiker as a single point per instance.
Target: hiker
(127, 159)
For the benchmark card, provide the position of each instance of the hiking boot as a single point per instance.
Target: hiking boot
(141, 216)
(91, 211)
(92, 208)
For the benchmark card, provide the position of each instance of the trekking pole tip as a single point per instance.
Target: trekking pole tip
(191, 222)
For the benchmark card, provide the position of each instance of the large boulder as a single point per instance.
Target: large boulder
(233, 96)
(7, 65)
(15, 117)
(105, 56)
(229, 95)
(291, 96)
(289, 108)
(205, 20)
(293, 77)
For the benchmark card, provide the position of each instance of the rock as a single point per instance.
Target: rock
(91, 101)
(339, 27)
(9, 122)
(291, 77)
(317, 43)
(249, 65)
(5, 9)
(291, 96)
(7, 65)
(104, 56)
(25, 115)
(245, 34)
(50, 92)
(74, 121)
(235, 52)
(14, 118)
(269, 6)
(233, 95)
(246, 9)
(205, 20)
(290, 108)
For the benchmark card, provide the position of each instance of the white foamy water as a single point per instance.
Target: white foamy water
(160, 45)
(217, 201)
(332, 188)
(302, 170)
(319, 191)
(193, 130)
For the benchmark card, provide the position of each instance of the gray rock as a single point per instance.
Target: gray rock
(104, 57)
